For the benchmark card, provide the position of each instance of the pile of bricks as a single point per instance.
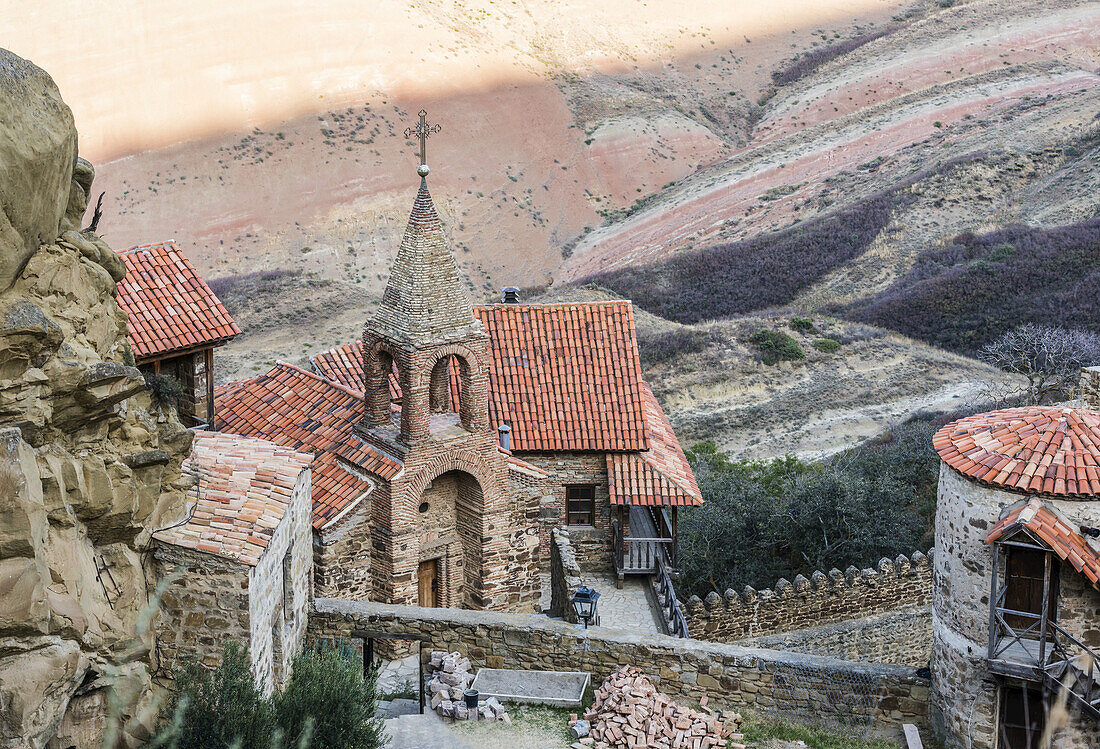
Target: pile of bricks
(629, 713)
(450, 678)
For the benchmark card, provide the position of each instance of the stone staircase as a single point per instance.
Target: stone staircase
(1084, 692)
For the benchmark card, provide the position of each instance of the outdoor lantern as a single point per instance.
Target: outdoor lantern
(584, 603)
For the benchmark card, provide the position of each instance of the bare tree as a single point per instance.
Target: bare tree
(1050, 359)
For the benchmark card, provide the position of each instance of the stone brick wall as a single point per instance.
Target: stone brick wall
(902, 636)
(791, 685)
(810, 602)
(278, 606)
(342, 555)
(966, 693)
(592, 544)
(564, 575)
(205, 606)
(1089, 389)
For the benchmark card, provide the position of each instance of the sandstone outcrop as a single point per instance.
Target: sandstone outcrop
(88, 469)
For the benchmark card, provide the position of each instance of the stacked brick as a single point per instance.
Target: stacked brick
(629, 713)
(451, 677)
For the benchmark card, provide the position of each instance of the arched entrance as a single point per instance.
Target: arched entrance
(449, 513)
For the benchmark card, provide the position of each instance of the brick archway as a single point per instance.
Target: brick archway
(460, 460)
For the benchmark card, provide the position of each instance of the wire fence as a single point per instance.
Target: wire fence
(832, 699)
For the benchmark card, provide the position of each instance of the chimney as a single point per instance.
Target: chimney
(505, 433)
(509, 295)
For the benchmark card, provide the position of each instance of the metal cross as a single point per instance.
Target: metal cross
(422, 131)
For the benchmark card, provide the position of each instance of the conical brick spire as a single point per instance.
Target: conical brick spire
(424, 301)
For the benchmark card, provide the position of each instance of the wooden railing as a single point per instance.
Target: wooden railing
(1044, 650)
(675, 621)
(635, 556)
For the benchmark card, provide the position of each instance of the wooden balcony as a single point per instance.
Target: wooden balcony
(651, 536)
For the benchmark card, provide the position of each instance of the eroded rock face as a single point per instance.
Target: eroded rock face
(87, 469)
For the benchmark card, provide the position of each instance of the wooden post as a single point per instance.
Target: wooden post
(675, 540)
(368, 656)
(420, 686)
(208, 355)
(1045, 611)
(993, 601)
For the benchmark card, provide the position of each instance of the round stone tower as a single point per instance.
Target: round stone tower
(1016, 608)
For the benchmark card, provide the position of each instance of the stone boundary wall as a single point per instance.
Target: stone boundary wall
(804, 688)
(902, 636)
(1089, 388)
(565, 575)
(821, 599)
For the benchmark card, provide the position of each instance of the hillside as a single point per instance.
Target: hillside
(714, 386)
(959, 160)
(726, 171)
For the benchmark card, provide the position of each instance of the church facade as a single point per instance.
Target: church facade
(452, 438)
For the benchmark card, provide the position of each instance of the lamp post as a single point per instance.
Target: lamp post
(584, 604)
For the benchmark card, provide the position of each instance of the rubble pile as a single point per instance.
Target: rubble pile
(450, 678)
(629, 712)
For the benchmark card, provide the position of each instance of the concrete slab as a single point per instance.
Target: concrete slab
(558, 688)
(397, 708)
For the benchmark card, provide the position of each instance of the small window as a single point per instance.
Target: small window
(580, 504)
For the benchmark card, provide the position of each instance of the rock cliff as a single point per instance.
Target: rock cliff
(88, 469)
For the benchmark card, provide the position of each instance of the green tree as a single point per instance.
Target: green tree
(329, 697)
(762, 520)
(219, 709)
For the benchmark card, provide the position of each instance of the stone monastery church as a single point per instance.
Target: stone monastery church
(453, 438)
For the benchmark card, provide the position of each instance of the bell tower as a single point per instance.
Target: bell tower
(424, 329)
(449, 529)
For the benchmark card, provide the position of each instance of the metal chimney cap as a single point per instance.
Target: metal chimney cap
(509, 295)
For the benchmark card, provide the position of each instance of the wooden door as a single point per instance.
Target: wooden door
(428, 583)
(1022, 718)
(1024, 577)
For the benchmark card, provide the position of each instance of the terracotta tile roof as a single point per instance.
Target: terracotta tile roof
(300, 409)
(1039, 449)
(564, 376)
(660, 475)
(244, 489)
(169, 306)
(1055, 531)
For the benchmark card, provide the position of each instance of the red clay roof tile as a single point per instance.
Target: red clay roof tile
(563, 376)
(1042, 449)
(169, 306)
(243, 490)
(660, 475)
(300, 409)
(1052, 529)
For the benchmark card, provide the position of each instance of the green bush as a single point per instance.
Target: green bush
(329, 695)
(802, 324)
(776, 346)
(327, 704)
(220, 708)
(164, 389)
(828, 345)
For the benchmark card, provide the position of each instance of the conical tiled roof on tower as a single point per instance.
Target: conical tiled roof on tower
(424, 301)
